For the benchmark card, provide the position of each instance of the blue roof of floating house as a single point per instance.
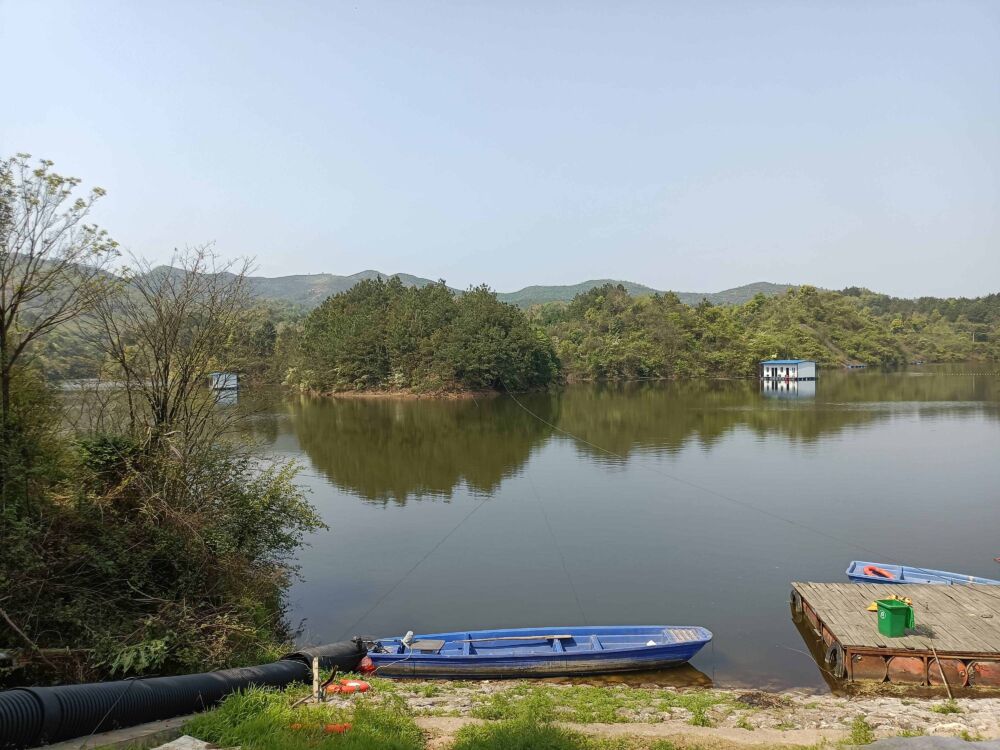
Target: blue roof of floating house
(784, 361)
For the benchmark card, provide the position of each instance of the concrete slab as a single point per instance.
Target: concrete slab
(140, 736)
(186, 742)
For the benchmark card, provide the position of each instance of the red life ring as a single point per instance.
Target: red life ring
(872, 570)
(353, 686)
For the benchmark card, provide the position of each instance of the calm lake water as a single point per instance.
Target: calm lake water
(676, 503)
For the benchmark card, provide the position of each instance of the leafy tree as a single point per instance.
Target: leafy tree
(51, 270)
(382, 335)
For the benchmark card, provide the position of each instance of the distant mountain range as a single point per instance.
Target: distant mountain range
(310, 290)
(533, 295)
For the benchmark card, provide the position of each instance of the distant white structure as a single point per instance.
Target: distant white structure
(788, 369)
(224, 381)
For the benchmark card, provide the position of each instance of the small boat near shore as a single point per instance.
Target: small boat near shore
(869, 572)
(537, 652)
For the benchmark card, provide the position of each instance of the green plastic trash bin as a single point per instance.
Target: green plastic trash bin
(894, 617)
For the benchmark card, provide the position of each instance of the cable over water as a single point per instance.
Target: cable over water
(875, 554)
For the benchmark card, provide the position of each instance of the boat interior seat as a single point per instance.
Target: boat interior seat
(427, 646)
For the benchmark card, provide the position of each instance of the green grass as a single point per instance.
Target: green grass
(260, 719)
(861, 732)
(950, 706)
(428, 691)
(519, 734)
(532, 734)
(588, 705)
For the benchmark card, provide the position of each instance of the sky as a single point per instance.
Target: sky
(692, 146)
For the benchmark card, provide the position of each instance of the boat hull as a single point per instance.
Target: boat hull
(512, 655)
(910, 574)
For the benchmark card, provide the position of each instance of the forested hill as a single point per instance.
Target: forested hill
(608, 334)
(309, 290)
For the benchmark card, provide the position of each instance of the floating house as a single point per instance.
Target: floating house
(224, 381)
(788, 369)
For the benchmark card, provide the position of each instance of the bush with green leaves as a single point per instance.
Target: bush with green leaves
(145, 558)
(381, 335)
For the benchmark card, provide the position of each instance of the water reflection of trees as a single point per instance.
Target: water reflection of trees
(667, 416)
(391, 450)
(931, 386)
(664, 417)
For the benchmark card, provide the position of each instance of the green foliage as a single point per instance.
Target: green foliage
(31, 456)
(606, 334)
(861, 732)
(383, 335)
(261, 719)
(586, 704)
(522, 718)
(520, 734)
(149, 563)
(950, 706)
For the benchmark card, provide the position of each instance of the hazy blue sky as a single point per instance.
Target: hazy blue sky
(685, 145)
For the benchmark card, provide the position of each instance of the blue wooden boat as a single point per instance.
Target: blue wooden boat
(537, 652)
(866, 572)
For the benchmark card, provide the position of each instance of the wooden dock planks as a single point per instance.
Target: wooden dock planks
(961, 620)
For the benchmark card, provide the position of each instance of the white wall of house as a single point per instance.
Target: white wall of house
(781, 372)
(797, 371)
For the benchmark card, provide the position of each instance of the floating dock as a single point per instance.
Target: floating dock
(956, 640)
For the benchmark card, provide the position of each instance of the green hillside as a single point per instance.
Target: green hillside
(309, 290)
(539, 295)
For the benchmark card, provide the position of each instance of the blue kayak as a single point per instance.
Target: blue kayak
(537, 652)
(907, 574)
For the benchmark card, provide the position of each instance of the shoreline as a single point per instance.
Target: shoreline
(443, 715)
(407, 395)
(742, 716)
(448, 394)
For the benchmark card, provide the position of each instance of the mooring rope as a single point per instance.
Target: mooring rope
(416, 565)
(555, 544)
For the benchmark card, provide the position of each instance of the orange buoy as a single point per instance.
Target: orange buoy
(337, 728)
(367, 666)
(354, 686)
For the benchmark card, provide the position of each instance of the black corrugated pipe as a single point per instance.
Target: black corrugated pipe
(36, 716)
(344, 655)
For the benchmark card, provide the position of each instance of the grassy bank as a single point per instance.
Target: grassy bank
(493, 715)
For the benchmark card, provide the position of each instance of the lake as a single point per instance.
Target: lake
(667, 502)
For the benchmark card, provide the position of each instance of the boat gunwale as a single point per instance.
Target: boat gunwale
(635, 651)
(922, 576)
